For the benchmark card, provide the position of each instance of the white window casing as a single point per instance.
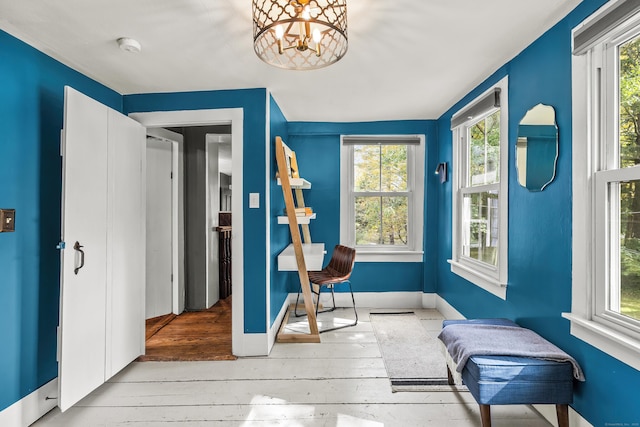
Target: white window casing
(490, 278)
(413, 251)
(595, 176)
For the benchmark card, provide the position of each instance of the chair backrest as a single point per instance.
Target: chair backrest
(342, 260)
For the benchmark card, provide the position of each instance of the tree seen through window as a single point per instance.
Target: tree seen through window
(381, 194)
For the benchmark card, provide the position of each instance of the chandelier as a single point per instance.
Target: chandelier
(300, 34)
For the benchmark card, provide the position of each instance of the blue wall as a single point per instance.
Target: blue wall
(31, 114)
(539, 287)
(280, 237)
(254, 103)
(317, 146)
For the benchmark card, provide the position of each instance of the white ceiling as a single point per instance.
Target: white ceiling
(407, 59)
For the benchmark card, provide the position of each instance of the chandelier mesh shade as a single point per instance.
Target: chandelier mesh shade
(300, 34)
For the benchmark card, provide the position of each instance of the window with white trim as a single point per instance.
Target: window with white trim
(605, 308)
(382, 196)
(480, 186)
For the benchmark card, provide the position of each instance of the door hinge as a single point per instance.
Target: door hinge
(171, 175)
(171, 277)
(62, 144)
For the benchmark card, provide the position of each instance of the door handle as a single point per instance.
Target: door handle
(78, 247)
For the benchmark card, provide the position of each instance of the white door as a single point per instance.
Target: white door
(159, 227)
(126, 247)
(102, 279)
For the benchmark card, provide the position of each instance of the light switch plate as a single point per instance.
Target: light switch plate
(254, 200)
(7, 220)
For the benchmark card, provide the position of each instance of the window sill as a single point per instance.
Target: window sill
(483, 281)
(614, 343)
(363, 255)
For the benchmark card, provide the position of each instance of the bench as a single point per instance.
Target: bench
(496, 379)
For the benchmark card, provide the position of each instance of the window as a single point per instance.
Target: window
(381, 198)
(606, 181)
(480, 152)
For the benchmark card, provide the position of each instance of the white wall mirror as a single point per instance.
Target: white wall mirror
(537, 148)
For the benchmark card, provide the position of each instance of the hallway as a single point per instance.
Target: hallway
(191, 336)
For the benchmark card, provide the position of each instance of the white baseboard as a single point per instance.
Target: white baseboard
(29, 409)
(273, 331)
(447, 309)
(549, 412)
(429, 300)
(254, 345)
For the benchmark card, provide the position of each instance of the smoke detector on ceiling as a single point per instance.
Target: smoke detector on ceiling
(129, 45)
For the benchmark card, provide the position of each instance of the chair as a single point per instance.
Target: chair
(337, 271)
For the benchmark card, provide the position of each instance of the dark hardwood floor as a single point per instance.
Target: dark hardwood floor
(196, 335)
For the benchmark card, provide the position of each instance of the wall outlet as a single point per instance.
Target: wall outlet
(7, 220)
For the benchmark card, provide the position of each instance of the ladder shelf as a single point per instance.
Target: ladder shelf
(298, 255)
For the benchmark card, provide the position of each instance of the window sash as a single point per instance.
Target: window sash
(380, 196)
(608, 171)
(488, 188)
(467, 188)
(607, 268)
(408, 193)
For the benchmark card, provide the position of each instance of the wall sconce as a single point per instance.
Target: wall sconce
(441, 171)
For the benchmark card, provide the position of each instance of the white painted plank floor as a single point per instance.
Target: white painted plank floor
(341, 382)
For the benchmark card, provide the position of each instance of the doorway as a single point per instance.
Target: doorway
(232, 118)
(202, 328)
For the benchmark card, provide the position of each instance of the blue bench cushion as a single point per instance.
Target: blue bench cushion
(502, 380)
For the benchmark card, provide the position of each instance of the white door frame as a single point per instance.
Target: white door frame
(177, 209)
(234, 116)
(212, 167)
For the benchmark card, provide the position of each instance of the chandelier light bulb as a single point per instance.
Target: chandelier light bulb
(279, 32)
(316, 35)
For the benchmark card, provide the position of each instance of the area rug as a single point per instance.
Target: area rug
(413, 359)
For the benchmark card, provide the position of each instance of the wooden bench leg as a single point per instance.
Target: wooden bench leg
(485, 415)
(563, 415)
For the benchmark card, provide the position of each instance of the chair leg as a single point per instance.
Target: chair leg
(334, 307)
(333, 298)
(325, 310)
(295, 308)
(485, 415)
(450, 380)
(562, 411)
(317, 303)
(318, 300)
(353, 300)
